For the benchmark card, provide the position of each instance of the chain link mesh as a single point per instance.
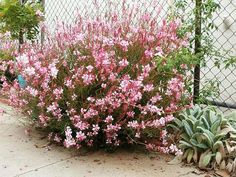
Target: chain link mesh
(224, 38)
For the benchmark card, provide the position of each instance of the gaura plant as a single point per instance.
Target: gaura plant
(8, 49)
(106, 81)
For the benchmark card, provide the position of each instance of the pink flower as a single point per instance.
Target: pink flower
(69, 141)
(57, 138)
(39, 13)
(156, 99)
(137, 135)
(131, 114)
(74, 96)
(133, 124)
(90, 99)
(113, 76)
(88, 78)
(52, 107)
(80, 136)
(22, 59)
(109, 119)
(124, 43)
(95, 129)
(183, 66)
(123, 63)
(2, 111)
(81, 125)
(148, 53)
(32, 91)
(153, 109)
(169, 118)
(104, 85)
(159, 51)
(53, 70)
(58, 92)
(90, 68)
(159, 122)
(146, 70)
(30, 71)
(90, 113)
(148, 88)
(68, 83)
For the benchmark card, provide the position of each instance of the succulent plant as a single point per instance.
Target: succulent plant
(207, 137)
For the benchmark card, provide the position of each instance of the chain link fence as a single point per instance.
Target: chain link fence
(224, 38)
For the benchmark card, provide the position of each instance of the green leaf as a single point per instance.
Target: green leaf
(227, 130)
(205, 122)
(209, 139)
(187, 128)
(218, 158)
(199, 145)
(205, 159)
(190, 156)
(185, 144)
(197, 111)
(197, 123)
(219, 137)
(208, 135)
(174, 127)
(178, 122)
(185, 155)
(198, 136)
(195, 156)
(191, 121)
(215, 126)
(185, 137)
(217, 146)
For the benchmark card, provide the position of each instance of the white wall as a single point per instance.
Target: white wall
(224, 39)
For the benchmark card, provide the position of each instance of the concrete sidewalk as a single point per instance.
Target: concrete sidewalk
(22, 155)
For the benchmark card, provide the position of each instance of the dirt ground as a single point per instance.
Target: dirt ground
(24, 155)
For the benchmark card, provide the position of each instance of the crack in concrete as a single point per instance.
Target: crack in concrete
(44, 166)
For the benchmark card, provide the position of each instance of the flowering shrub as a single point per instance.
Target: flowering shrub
(7, 46)
(106, 81)
(8, 50)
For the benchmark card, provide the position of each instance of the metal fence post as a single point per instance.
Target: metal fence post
(42, 32)
(198, 35)
(21, 35)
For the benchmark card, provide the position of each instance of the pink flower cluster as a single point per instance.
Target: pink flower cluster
(97, 81)
(8, 49)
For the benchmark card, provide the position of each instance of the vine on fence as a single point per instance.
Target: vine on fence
(197, 19)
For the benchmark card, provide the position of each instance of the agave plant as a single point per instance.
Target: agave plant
(207, 137)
